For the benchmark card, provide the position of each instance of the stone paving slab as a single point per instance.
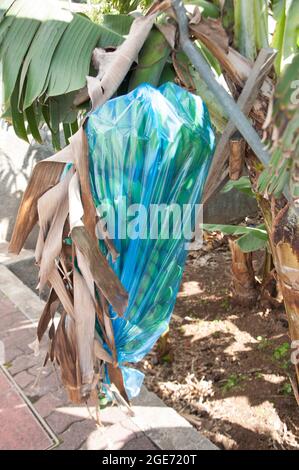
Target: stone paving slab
(9, 258)
(154, 426)
(20, 429)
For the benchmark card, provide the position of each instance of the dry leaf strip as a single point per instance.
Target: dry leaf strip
(64, 209)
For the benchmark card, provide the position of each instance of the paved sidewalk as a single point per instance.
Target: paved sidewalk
(72, 424)
(154, 425)
(18, 423)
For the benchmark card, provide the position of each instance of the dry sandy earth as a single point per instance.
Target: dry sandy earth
(227, 371)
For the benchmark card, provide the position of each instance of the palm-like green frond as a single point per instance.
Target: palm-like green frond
(284, 166)
(46, 54)
(286, 35)
(251, 26)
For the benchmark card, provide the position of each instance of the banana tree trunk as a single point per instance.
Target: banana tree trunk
(282, 225)
(285, 248)
(283, 230)
(243, 279)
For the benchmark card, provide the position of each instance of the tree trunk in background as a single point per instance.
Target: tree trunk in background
(270, 295)
(282, 225)
(243, 278)
(285, 246)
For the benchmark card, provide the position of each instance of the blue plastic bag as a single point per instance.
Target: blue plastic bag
(149, 148)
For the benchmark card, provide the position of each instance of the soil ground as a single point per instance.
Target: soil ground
(227, 370)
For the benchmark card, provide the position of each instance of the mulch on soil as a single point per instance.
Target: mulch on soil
(227, 369)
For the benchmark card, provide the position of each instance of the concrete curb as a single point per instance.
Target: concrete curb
(20, 295)
(164, 426)
(7, 258)
(161, 424)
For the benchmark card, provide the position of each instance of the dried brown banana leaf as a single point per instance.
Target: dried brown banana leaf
(57, 283)
(80, 155)
(47, 207)
(116, 377)
(53, 242)
(103, 275)
(84, 311)
(45, 175)
(119, 64)
(66, 355)
(48, 313)
(101, 353)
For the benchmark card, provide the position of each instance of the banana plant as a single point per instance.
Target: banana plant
(250, 238)
(281, 175)
(39, 88)
(251, 26)
(286, 35)
(42, 89)
(244, 241)
(283, 130)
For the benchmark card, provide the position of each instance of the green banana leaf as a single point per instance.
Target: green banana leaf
(32, 77)
(243, 185)
(286, 35)
(252, 238)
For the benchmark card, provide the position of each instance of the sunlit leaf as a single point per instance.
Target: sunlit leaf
(249, 243)
(258, 232)
(243, 185)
